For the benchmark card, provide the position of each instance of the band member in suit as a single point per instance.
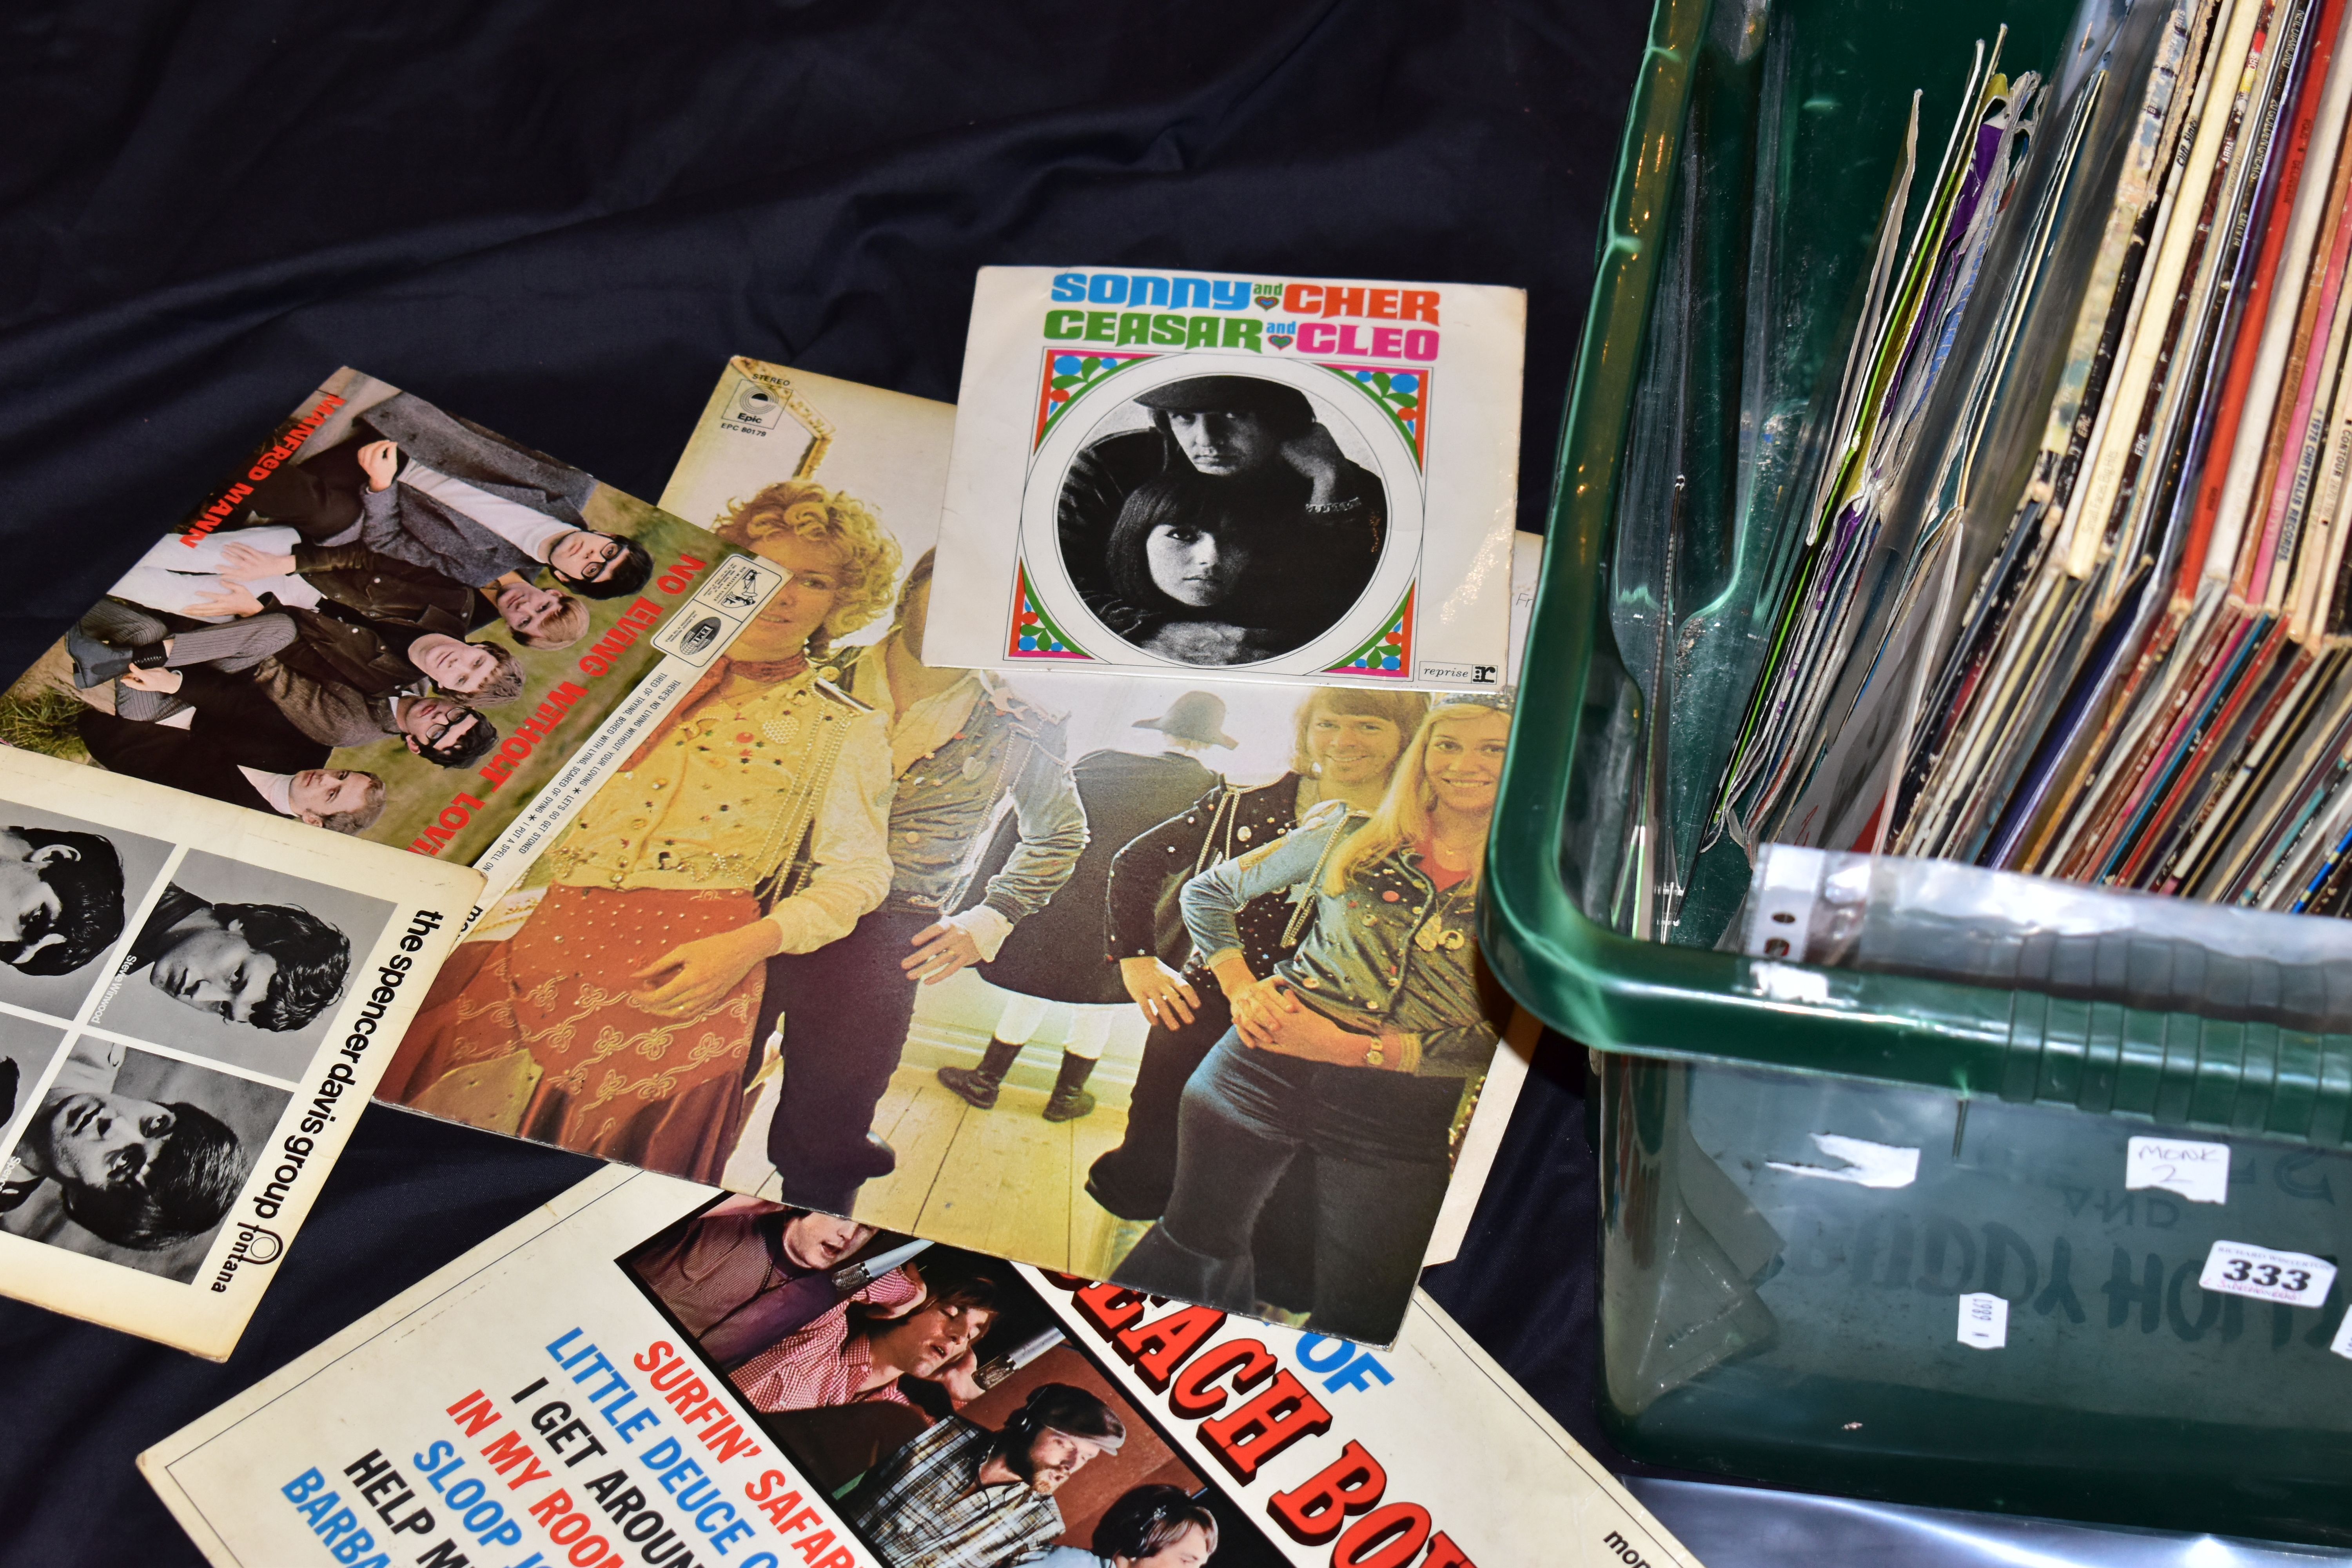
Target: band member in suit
(60, 898)
(112, 640)
(341, 800)
(336, 683)
(961, 743)
(1360, 1047)
(749, 823)
(274, 966)
(443, 731)
(367, 488)
(1059, 955)
(229, 575)
(233, 717)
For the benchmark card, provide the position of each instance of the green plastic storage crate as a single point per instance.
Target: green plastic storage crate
(1762, 1318)
(1562, 824)
(1801, 1328)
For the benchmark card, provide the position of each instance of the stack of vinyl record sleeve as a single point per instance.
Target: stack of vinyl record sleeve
(2073, 595)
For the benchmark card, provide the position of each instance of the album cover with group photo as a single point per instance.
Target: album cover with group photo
(639, 1373)
(1273, 479)
(196, 1002)
(1174, 982)
(388, 621)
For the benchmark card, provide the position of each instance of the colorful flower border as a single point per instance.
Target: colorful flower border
(1389, 653)
(1034, 635)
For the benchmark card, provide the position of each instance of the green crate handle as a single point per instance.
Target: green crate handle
(1615, 993)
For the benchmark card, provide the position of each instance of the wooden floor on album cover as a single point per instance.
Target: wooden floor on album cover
(1005, 1181)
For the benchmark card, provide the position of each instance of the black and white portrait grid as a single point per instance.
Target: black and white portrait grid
(156, 1003)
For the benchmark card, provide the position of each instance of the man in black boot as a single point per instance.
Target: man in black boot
(1070, 1100)
(1061, 956)
(961, 743)
(112, 640)
(1016, 1027)
(978, 1084)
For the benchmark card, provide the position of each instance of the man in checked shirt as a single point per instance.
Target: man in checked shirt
(902, 1327)
(961, 1496)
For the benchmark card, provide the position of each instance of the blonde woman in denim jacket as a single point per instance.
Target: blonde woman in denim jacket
(1358, 1046)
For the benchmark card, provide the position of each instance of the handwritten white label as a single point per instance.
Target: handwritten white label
(2297, 1278)
(2198, 1171)
(2342, 1344)
(1984, 1321)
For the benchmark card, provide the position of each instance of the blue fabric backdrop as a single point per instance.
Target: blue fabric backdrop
(558, 217)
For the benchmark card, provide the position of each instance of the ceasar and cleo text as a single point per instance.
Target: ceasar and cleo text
(1317, 321)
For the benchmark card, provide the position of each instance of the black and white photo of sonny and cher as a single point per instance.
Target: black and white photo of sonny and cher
(1221, 522)
(368, 612)
(862, 935)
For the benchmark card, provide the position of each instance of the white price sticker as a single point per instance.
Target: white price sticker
(2297, 1278)
(2197, 1172)
(2342, 1344)
(1984, 1321)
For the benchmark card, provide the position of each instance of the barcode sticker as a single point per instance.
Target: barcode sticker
(1984, 1321)
(2197, 1172)
(2297, 1278)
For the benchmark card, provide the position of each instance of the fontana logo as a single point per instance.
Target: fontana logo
(254, 1246)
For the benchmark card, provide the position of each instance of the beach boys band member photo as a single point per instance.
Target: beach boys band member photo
(1156, 1526)
(745, 1274)
(961, 1496)
(845, 1342)
(1360, 1047)
(1229, 531)
(765, 1295)
(930, 1374)
(60, 899)
(902, 1327)
(611, 1010)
